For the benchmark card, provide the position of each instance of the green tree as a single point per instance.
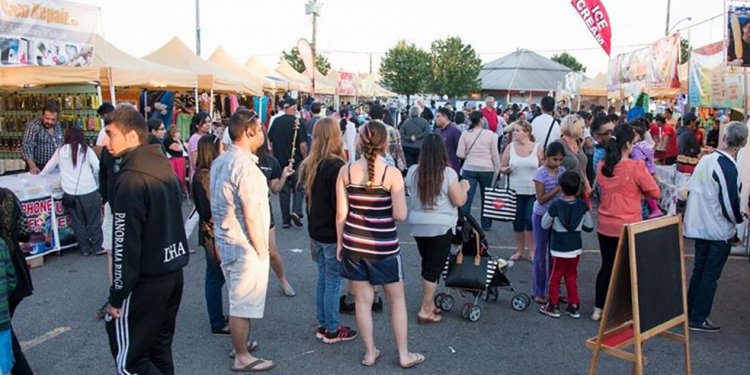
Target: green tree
(405, 69)
(685, 50)
(292, 57)
(455, 68)
(569, 61)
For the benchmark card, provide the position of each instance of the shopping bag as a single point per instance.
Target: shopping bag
(499, 202)
(6, 352)
(191, 223)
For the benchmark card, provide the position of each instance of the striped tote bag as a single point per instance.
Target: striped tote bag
(499, 202)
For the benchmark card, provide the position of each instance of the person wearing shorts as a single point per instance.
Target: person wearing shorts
(435, 195)
(239, 201)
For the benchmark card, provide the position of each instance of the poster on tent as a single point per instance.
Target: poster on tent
(347, 84)
(712, 83)
(47, 32)
(654, 66)
(738, 32)
(49, 228)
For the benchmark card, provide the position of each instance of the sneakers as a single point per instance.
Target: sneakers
(100, 252)
(342, 334)
(320, 333)
(221, 332)
(573, 311)
(345, 307)
(706, 326)
(597, 314)
(296, 219)
(550, 310)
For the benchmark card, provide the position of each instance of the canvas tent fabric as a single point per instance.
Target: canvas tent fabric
(595, 87)
(223, 60)
(271, 79)
(177, 55)
(14, 77)
(325, 85)
(293, 76)
(522, 70)
(130, 71)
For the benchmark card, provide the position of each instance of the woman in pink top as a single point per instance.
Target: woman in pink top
(623, 184)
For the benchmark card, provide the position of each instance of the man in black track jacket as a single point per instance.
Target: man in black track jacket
(149, 250)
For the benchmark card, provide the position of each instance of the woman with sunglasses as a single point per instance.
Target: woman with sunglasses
(575, 158)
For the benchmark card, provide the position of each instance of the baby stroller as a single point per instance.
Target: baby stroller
(472, 269)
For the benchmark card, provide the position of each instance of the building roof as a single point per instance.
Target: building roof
(522, 70)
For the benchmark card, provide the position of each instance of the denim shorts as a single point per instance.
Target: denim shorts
(524, 207)
(376, 271)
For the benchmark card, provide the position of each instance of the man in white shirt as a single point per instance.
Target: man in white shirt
(542, 123)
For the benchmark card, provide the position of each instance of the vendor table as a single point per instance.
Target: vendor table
(50, 228)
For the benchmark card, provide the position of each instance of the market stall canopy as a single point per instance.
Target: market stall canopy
(325, 85)
(177, 55)
(294, 77)
(522, 70)
(595, 87)
(130, 71)
(223, 60)
(14, 77)
(369, 86)
(271, 79)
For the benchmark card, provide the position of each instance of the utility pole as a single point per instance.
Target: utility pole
(370, 62)
(197, 27)
(666, 27)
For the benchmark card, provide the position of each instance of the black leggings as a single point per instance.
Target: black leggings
(434, 252)
(21, 366)
(607, 249)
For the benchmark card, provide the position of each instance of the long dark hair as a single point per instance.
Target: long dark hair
(208, 151)
(372, 140)
(432, 163)
(74, 138)
(622, 135)
(344, 114)
(476, 119)
(197, 121)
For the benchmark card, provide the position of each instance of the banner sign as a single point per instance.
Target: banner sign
(347, 84)
(47, 32)
(655, 66)
(712, 84)
(50, 229)
(595, 16)
(573, 82)
(738, 48)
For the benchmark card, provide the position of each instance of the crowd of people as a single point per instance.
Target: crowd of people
(357, 173)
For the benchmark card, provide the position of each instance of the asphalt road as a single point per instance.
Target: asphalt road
(57, 324)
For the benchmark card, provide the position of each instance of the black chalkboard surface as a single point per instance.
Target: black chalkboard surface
(621, 304)
(658, 259)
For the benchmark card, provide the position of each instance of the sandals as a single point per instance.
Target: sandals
(373, 362)
(418, 358)
(253, 366)
(540, 300)
(515, 257)
(251, 347)
(432, 318)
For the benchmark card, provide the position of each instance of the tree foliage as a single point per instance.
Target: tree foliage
(292, 57)
(455, 68)
(570, 61)
(405, 68)
(685, 50)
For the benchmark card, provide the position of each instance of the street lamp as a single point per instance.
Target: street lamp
(678, 22)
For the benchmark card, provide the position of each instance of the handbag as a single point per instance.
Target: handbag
(191, 223)
(469, 273)
(499, 203)
(461, 161)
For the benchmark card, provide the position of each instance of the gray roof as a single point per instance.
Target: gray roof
(523, 70)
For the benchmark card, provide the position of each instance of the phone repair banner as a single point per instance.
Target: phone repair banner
(47, 33)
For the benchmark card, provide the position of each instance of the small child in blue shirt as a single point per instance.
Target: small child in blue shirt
(567, 217)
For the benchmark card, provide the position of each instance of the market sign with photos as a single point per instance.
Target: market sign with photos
(712, 83)
(47, 32)
(654, 66)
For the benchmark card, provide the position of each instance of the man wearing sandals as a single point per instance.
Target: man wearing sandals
(239, 196)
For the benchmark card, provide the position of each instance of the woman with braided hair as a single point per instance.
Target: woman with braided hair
(369, 199)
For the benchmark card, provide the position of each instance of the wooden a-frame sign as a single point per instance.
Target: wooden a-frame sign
(647, 295)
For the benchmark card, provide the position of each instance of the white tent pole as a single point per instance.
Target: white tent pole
(211, 103)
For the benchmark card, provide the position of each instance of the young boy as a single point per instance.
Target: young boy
(567, 217)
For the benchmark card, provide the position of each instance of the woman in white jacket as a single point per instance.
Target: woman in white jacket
(79, 167)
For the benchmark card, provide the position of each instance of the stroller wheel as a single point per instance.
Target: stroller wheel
(520, 302)
(446, 304)
(466, 310)
(439, 299)
(475, 313)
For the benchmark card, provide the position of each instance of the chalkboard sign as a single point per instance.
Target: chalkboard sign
(658, 258)
(646, 295)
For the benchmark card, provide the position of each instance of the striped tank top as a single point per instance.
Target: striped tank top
(370, 230)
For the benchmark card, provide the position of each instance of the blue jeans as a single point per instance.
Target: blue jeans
(214, 284)
(484, 180)
(524, 208)
(329, 284)
(710, 258)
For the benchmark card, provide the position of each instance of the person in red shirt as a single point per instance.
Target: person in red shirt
(666, 146)
(490, 113)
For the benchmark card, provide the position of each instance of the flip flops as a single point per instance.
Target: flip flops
(374, 361)
(251, 347)
(418, 358)
(253, 366)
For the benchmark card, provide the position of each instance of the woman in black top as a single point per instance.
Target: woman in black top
(276, 178)
(208, 151)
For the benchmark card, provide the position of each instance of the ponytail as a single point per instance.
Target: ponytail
(372, 139)
(622, 135)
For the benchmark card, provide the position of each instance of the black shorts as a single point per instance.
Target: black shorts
(376, 271)
(434, 252)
